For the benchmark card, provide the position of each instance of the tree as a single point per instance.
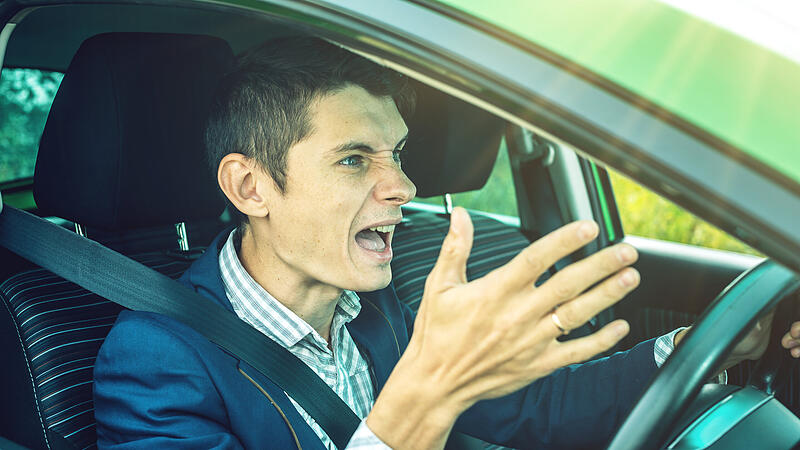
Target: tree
(25, 99)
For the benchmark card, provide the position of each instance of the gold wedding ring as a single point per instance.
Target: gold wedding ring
(558, 324)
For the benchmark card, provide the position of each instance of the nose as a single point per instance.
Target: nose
(395, 187)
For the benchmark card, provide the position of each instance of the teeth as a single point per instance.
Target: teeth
(383, 229)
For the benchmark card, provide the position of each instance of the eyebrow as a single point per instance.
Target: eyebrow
(361, 146)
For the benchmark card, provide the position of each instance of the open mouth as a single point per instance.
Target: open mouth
(375, 239)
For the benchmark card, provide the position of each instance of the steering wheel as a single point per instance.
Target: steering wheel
(729, 318)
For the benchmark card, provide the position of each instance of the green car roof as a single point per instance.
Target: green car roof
(735, 89)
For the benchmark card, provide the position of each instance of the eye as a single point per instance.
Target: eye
(352, 161)
(398, 156)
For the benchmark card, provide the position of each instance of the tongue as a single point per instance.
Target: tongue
(370, 240)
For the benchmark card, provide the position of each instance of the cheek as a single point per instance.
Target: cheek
(326, 213)
(324, 225)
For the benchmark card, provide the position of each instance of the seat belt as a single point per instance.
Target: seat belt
(135, 286)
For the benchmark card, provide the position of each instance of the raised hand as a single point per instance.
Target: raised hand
(494, 335)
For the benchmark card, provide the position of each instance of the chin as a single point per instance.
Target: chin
(377, 280)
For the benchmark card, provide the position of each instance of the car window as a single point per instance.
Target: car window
(646, 214)
(25, 99)
(496, 197)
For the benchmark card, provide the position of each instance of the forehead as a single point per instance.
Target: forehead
(353, 114)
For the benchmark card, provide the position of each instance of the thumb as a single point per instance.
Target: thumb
(451, 266)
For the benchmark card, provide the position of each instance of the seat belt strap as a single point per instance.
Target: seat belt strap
(132, 285)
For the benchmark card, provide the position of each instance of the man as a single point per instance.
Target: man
(306, 139)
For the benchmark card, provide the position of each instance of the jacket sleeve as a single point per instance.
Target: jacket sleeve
(152, 390)
(579, 406)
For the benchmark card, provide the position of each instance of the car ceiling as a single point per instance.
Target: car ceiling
(48, 37)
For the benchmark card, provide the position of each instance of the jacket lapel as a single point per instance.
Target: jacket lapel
(379, 334)
(280, 401)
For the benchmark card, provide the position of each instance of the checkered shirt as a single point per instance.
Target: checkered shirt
(342, 367)
(664, 347)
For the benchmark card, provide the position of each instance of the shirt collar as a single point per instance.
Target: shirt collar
(253, 304)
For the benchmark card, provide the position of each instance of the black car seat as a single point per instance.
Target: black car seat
(122, 156)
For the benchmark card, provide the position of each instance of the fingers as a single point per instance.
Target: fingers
(792, 345)
(531, 262)
(791, 340)
(582, 349)
(451, 266)
(570, 281)
(575, 313)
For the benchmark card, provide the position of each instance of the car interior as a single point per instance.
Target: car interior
(121, 162)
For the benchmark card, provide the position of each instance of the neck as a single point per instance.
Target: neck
(312, 301)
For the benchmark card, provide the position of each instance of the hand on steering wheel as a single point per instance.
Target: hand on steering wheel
(712, 339)
(753, 345)
(791, 340)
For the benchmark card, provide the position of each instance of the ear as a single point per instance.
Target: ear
(245, 184)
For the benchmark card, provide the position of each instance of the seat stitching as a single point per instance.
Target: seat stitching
(83, 383)
(81, 429)
(47, 380)
(109, 321)
(63, 309)
(70, 330)
(73, 416)
(30, 374)
(72, 361)
(57, 413)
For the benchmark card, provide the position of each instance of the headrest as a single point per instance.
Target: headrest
(123, 144)
(452, 145)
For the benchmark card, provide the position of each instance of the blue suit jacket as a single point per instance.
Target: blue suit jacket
(160, 384)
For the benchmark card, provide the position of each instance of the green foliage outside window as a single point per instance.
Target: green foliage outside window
(646, 214)
(25, 98)
(496, 197)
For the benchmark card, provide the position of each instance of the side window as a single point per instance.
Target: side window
(496, 197)
(646, 214)
(25, 99)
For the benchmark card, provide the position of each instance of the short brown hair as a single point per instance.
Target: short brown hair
(261, 107)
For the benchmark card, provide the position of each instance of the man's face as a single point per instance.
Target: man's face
(344, 187)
